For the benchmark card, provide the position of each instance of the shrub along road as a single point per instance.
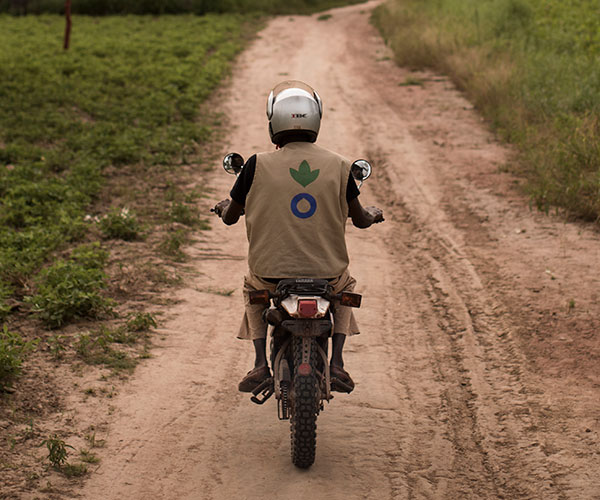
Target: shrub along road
(477, 364)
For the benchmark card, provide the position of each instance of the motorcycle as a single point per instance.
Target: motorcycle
(300, 315)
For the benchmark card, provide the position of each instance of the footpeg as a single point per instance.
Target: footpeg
(263, 392)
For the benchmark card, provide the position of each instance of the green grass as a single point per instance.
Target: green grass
(172, 243)
(141, 322)
(532, 68)
(13, 351)
(128, 92)
(118, 348)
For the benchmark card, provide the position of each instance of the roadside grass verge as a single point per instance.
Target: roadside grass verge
(13, 350)
(532, 68)
(124, 101)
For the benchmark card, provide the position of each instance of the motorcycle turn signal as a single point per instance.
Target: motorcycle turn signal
(260, 297)
(350, 299)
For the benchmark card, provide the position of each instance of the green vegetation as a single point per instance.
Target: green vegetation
(13, 349)
(120, 224)
(532, 67)
(171, 244)
(141, 322)
(58, 454)
(126, 96)
(161, 7)
(57, 450)
(88, 457)
(101, 347)
(70, 289)
(188, 215)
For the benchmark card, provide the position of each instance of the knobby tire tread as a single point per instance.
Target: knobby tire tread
(304, 417)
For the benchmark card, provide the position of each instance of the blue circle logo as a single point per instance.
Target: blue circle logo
(311, 210)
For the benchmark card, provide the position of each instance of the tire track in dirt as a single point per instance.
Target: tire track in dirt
(447, 404)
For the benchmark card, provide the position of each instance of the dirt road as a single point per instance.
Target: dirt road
(477, 367)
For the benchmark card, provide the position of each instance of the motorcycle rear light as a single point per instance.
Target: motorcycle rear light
(308, 308)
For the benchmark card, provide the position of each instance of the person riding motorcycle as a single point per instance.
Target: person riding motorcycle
(296, 200)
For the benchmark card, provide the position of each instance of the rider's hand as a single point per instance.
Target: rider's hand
(375, 213)
(221, 207)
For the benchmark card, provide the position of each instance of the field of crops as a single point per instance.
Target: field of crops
(128, 92)
(532, 67)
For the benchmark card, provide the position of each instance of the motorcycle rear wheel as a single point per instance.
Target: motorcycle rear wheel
(303, 417)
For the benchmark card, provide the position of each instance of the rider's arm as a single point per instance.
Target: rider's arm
(364, 217)
(232, 213)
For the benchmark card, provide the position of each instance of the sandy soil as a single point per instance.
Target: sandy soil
(477, 369)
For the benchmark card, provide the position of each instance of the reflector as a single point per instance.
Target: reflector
(304, 369)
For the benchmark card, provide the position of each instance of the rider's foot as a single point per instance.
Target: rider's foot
(254, 378)
(341, 381)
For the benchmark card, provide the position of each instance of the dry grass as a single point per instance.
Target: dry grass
(513, 62)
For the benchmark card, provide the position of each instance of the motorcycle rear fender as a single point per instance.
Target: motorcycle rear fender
(308, 327)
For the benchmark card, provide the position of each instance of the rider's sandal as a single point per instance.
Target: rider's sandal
(254, 378)
(341, 380)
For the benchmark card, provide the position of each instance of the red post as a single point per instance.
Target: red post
(68, 25)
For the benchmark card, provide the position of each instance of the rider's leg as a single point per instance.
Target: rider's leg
(341, 380)
(260, 351)
(337, 348)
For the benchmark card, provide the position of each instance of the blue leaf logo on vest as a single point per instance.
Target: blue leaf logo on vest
(311, 209)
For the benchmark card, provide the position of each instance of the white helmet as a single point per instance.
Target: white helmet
(294, 109)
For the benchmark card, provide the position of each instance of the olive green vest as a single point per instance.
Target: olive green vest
(296, 212)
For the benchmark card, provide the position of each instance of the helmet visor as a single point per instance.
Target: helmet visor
(292, 84)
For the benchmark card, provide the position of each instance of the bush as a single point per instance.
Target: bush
(120, 224)
(57, 451)
(71, 289)
(13, 349)
(90, 256)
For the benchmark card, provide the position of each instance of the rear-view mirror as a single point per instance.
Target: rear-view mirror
(361, 170)
(233, 163)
